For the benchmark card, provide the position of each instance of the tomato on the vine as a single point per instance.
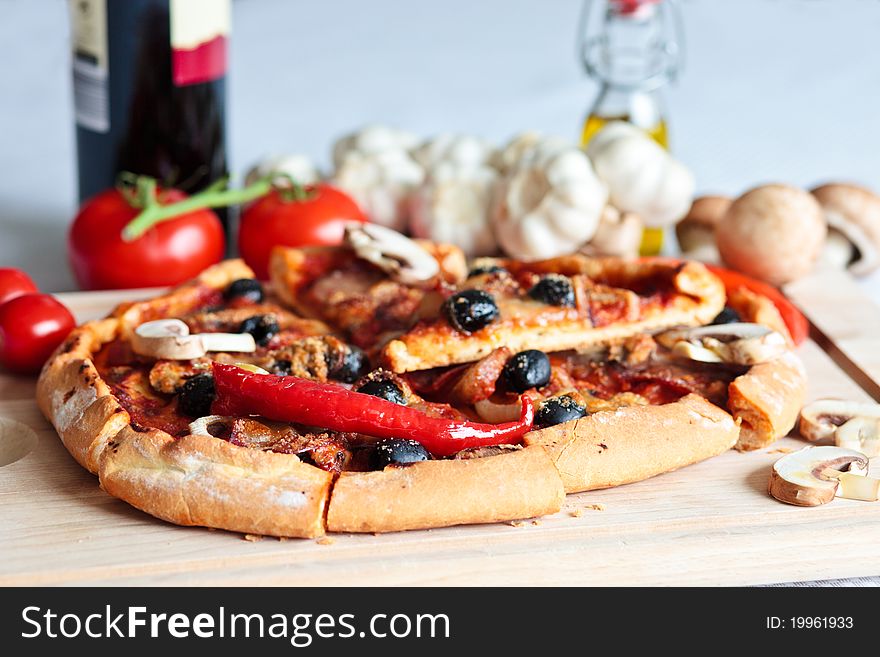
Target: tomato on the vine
(31, 327)
(317, 217)
(14, 283)
(167, 253)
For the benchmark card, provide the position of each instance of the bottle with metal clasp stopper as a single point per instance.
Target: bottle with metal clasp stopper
(632, 48)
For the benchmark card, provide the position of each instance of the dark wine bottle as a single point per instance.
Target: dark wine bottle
(149, 80)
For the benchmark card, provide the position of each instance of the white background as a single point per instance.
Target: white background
(774, 90)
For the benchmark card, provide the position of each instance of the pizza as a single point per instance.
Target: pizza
(387, 385)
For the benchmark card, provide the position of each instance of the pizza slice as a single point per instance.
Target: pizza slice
(552, 305)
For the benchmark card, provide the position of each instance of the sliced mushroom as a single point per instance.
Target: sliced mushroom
(853, 216)
(820, 419)
(861, 434)
(739, 343)
(170, 339)
(392, 252)
(811, 476)
(211, 425)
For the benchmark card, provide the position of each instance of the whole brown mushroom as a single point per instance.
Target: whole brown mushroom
(853, 216)
(774, 232)
(696, 232)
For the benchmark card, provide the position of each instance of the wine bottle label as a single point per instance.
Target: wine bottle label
(91, 97)
(199, 33)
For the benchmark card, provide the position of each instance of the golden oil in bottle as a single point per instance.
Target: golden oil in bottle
(652, 238)
(595, 123)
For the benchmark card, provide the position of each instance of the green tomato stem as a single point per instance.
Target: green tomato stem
(215, 195)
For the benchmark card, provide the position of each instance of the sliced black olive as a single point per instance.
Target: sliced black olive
(385, 389)
(554, 290)
(244, 288)
(353, 365)
(196, 396)
(262, 327)
(398, 451)
(727, 316)
(527, 369)
(557, 410)
(486, 269)
(281, 367)
(471, 310)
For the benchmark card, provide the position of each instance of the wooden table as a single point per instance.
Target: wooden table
(711, 523)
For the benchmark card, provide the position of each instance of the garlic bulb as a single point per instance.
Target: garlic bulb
(298, 166)
(549, 201)
(641, 177)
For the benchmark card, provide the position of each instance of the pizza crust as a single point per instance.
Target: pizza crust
(75, 399)
(632, 443)
(757, 308)
(767, 399)
(517, 484)
(201, 480)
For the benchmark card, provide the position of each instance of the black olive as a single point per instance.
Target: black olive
(527, 369)
(196, 395)
(471, 310)
(244, 288)
(262, 327)
(727, 316)
(384, 389)
(398, 451)
(554, 290)
(281, 367)
(557, 410)
(353, 365)
(486, 269)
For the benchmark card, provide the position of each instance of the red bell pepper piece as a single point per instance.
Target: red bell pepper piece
(293, 399)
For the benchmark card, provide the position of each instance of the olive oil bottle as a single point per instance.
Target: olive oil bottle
(632, 54)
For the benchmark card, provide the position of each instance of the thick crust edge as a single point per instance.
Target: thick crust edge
(767, 399)
(200, 480)
(518, 484)
(611, 448)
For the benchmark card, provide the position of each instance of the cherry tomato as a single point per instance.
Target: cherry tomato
(168, 253)
(14, 283)
(273, 220)
(31, 327)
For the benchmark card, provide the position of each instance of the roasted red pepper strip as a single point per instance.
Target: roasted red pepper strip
(293, 399)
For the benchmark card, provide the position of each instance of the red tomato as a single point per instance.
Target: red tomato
(31, 327)
(168, 253)
(14, 283)
(272, 221)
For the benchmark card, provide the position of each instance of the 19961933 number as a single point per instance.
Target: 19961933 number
(810, 623)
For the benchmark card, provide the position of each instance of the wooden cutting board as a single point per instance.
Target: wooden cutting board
(711, 523)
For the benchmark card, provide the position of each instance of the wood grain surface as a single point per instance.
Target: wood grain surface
(708, 524)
